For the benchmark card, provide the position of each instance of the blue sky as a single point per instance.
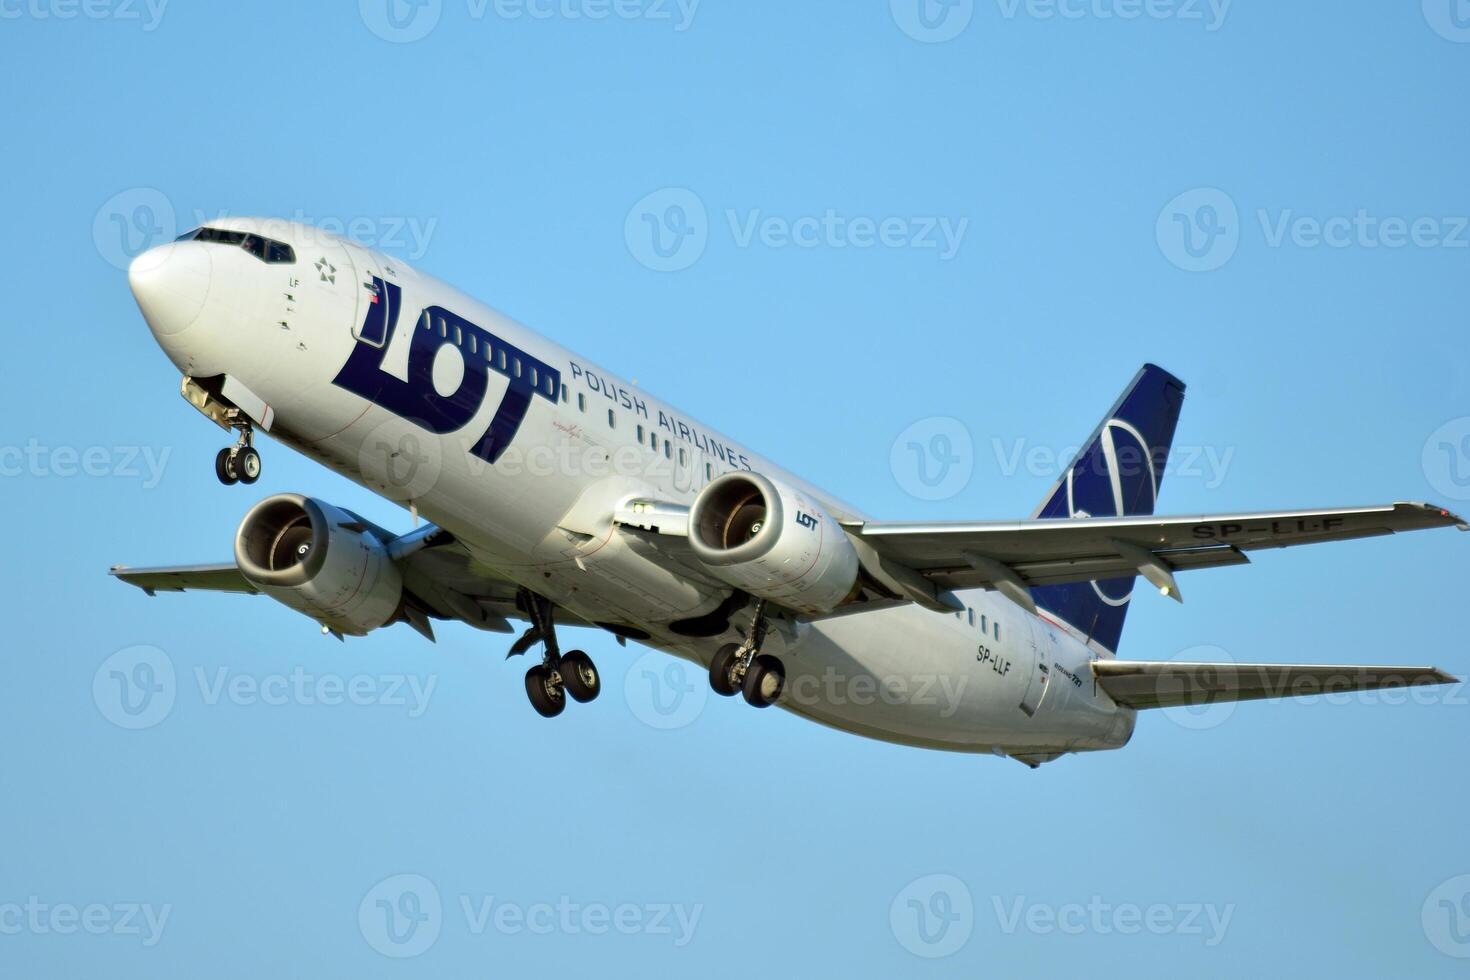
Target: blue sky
(973, 223)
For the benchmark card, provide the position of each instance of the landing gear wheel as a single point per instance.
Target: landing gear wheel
(765, 679)
(579, 675)
(247, 465)
(721, 668)
(547, 695)
(226, 468)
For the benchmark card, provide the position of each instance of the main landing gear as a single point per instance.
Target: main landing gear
(239, 463)
(741, 667)
(557, 675)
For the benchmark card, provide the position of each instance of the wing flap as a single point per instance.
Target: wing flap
(1164, 684)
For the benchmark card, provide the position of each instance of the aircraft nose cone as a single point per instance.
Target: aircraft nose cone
(171, 283)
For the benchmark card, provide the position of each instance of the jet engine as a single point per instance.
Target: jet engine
(321, 561)
(774, 542)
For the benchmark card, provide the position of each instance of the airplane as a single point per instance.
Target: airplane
(558, 494)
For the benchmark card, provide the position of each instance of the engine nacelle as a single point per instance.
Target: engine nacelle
(774, 542)
(321, 561)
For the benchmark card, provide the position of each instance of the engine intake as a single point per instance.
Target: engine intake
(773, 541)
(321, 561)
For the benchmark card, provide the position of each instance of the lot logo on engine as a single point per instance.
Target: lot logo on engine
(416, 398)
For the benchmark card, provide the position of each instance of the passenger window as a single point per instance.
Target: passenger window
(516, 367)
(581, 402)
(612, 419)
(668, 449)
(640, 435)
(683, 458)
(535, 379)
(972, 617)
(563, 394)
(997, 632)
(458, 337)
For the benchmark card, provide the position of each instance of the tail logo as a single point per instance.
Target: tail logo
(1114, 477)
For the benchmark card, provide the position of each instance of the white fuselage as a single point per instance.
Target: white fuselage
(993, 678)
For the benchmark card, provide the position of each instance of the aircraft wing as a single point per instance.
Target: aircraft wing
(1017, 555)
(1144, 684)
(442, 579)
(186, 578)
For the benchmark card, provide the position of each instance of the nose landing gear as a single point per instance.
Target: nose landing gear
(239, 463)
(741, 667)
(557, 675)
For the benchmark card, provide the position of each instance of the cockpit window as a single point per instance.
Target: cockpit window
(267, 250)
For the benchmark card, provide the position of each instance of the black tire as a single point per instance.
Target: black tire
(224, 468)
(764, 681)
(579, 675)
(247, 465)
(719, 670)
(547, 698)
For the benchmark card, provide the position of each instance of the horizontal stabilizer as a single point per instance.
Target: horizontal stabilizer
(1164, 684)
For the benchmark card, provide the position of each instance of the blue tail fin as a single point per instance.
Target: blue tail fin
(1117, 474)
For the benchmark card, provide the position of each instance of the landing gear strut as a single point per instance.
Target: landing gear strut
(741, 667)
(239, 463)
(557, 675)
